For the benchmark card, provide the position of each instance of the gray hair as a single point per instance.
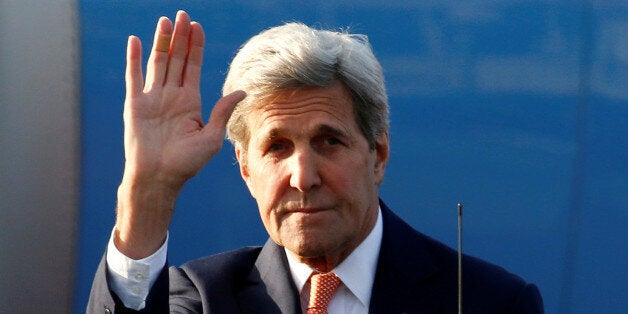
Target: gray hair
(294, 56)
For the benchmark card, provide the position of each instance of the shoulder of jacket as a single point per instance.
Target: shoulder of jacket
(229, 263)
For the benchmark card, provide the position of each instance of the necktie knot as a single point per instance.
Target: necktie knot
(323, 286)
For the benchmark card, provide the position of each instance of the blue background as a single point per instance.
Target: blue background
(518, 109)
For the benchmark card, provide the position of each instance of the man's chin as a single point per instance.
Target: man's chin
(311, 249)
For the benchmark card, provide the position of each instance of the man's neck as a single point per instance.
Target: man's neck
(364, 255)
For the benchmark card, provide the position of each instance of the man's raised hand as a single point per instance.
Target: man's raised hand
(165, 139)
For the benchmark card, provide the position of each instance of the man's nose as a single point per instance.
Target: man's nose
(304, 171)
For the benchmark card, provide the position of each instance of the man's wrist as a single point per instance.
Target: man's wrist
(143, 217)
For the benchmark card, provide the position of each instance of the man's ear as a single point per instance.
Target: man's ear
(242, 163)
(382, 154)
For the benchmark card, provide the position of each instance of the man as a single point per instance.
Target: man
(307, 113)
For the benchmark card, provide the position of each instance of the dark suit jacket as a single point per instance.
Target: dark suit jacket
(415, 274)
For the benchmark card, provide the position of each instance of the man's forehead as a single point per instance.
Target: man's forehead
(321, 104)
(337, 94)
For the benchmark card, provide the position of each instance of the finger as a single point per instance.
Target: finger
(158, 60)
(192, 69)
(133, 74)
(215, 128)
(178, 49)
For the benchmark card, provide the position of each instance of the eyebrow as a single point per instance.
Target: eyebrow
(322, 129)
(327, 129)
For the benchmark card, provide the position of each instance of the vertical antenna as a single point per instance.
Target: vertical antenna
(459, 258)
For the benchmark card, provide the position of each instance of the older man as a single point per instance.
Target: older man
(307, 113)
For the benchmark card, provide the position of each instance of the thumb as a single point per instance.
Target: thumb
(215, 128)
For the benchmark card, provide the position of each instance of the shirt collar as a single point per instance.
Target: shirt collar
(357, 271)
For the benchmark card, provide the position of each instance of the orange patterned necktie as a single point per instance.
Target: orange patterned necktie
(323, 287)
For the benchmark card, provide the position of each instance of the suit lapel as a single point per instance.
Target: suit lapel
(403, 269)
(402, 279)
(270, 288)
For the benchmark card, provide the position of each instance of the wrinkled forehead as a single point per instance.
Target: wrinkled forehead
(308, 108)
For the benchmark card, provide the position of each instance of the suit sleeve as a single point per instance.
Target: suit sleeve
(103, 300)
(529, 301)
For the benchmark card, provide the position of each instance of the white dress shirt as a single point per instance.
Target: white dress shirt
(357, 273)
(132, 279)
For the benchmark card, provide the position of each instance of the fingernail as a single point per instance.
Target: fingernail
(164, 26)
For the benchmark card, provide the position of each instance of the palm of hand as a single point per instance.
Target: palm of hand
(164, 137)
(166, 141)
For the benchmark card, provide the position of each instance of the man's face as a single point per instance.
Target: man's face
(312, 173)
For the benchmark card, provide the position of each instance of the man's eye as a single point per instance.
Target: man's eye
(332, 141)
(276, 147)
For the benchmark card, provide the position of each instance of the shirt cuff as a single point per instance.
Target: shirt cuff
(131, 279)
